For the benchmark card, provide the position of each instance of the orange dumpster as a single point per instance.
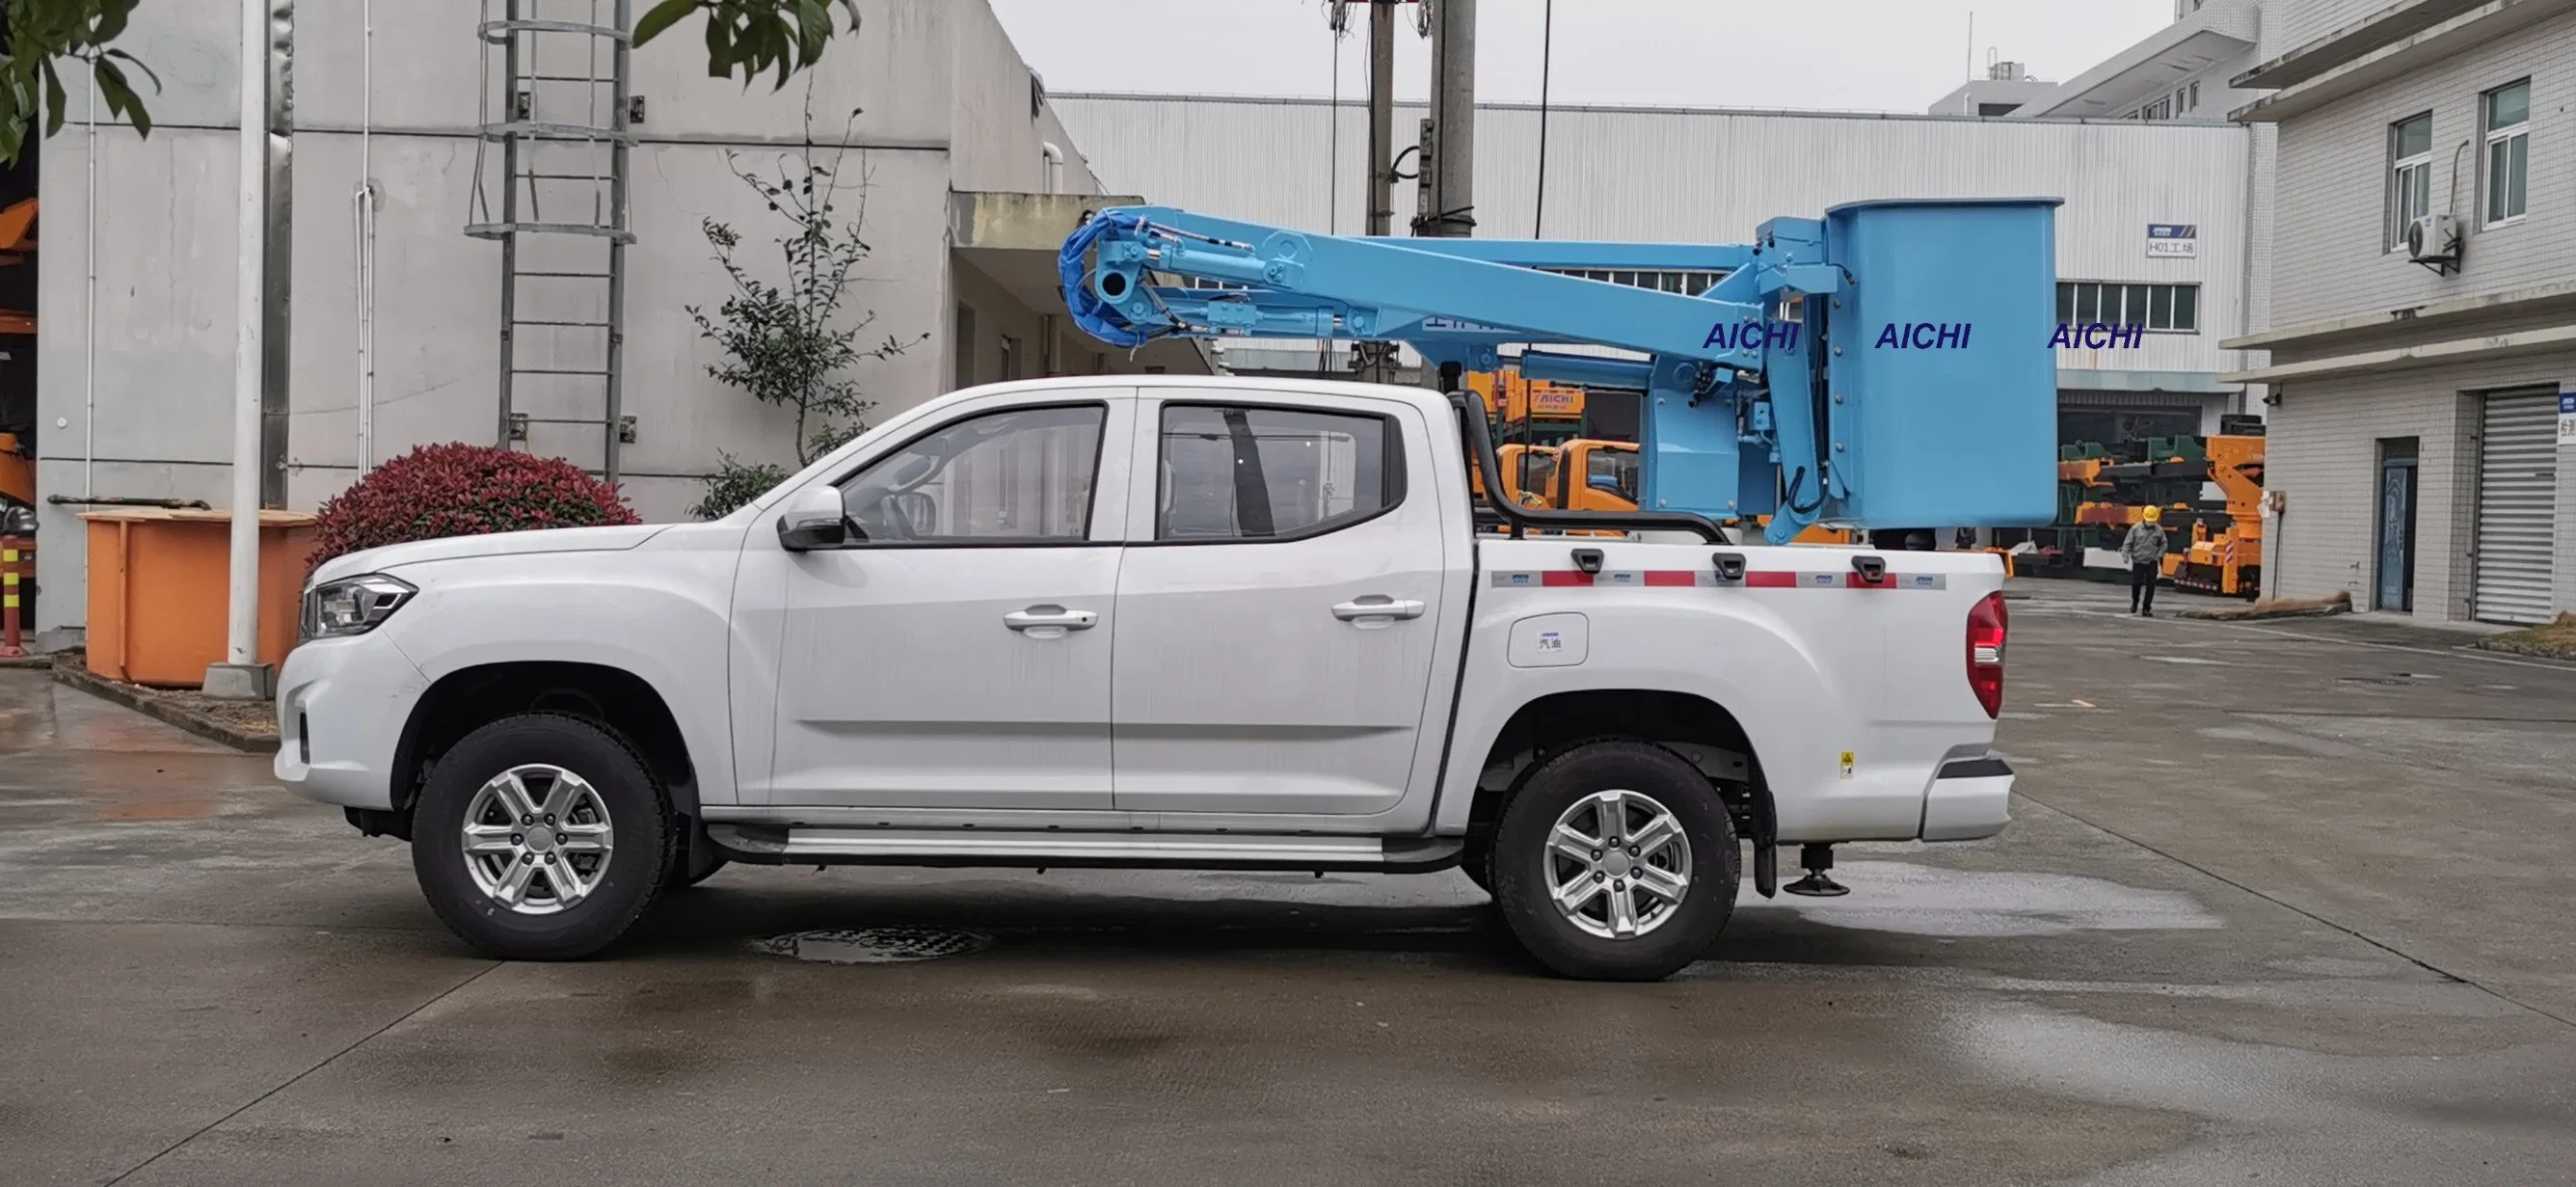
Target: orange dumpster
(157, 581)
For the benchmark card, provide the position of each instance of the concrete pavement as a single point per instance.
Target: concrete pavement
(2283, 900)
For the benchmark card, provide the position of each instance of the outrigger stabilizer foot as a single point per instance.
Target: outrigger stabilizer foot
(1817, 884)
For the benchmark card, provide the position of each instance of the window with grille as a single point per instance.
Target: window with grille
(2161, 308)
(2508, 180)
(2410, 175)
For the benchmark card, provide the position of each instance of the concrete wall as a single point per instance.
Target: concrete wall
(2331, 263)
(2289, 24)
(941, 96)
(2324, 455)
(997, 140)
(2334, 162)
(1712, 176)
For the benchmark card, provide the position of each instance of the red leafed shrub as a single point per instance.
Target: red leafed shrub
(436, 491)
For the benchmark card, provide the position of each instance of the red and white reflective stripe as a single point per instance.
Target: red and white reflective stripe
(1704, 578)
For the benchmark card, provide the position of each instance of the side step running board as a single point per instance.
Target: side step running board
(769, 844)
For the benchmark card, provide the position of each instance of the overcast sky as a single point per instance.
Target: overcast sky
(1875, 55)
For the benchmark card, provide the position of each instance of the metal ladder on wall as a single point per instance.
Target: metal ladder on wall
(558, 71)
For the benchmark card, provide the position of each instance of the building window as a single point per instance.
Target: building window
(1010, 358)
(2195, 96)
(2508, 116)
(2161, 109)
(2410, 176)
(2161, 308)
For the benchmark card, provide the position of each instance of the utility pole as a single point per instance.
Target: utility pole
(1376, 360)
(1449, 165)
(265, 27)
(1381, 206)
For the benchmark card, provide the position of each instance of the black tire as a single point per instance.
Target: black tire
(643, 837)
(1477, 866)
(1521, 855)
(1477, 862)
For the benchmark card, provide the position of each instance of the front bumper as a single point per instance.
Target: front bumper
(1970, 799)
(341, 706)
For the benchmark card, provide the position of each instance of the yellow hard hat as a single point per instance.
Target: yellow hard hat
(2155, 514)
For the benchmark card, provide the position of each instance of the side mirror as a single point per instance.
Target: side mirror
(812, 519)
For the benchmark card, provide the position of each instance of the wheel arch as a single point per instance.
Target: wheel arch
(1703, 732)
(462, 701)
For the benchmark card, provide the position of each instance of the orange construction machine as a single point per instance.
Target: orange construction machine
(2212, 545)
(17, 393)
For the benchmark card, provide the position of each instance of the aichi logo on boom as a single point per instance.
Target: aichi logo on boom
(1753, 335)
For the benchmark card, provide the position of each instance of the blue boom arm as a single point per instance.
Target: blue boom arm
(1763, 396)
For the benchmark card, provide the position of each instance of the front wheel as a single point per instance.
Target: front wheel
(1615, 861)
(542, 837)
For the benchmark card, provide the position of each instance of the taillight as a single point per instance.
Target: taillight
(1986, 625)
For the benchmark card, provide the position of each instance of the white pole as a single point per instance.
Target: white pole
(241, 636)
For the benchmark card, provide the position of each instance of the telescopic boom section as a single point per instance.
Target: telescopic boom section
(1885, 366)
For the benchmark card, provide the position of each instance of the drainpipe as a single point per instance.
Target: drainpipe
(1054, 166)
(365, 202)
(89, 311)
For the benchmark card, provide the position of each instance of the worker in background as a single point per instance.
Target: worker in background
(2145, 548)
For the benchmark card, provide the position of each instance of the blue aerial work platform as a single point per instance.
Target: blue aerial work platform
(1885, 366)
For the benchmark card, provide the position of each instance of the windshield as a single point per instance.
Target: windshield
(1613, 470)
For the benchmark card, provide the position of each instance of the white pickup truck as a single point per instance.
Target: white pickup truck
(1144, 622)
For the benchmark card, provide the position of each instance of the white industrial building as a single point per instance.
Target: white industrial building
(955, 143)
(1711, 176)
(2422, 433)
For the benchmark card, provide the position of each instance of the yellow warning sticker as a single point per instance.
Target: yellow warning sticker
(1847, 764)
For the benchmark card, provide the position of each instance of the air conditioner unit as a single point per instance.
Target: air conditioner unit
(2434, 239)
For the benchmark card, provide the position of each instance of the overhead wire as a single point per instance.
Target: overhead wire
(1546, 67)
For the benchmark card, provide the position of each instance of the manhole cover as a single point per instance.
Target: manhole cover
(875, 945)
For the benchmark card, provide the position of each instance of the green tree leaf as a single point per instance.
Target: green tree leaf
(664, 15)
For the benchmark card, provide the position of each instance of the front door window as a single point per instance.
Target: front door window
(1018, 476)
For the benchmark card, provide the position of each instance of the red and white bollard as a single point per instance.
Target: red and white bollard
(12, 549)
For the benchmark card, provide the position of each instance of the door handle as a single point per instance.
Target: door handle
(1050, 622)
(1377, 606)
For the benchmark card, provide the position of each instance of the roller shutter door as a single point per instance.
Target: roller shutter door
(2517, 506)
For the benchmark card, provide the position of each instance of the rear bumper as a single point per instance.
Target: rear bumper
(1970, 799)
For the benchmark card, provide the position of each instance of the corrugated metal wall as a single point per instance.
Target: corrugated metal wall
(1712, 176)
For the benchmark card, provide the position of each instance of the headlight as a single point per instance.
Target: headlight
(352, 605)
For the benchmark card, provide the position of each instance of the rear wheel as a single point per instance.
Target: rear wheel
(1615, 860)
(542, 837)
